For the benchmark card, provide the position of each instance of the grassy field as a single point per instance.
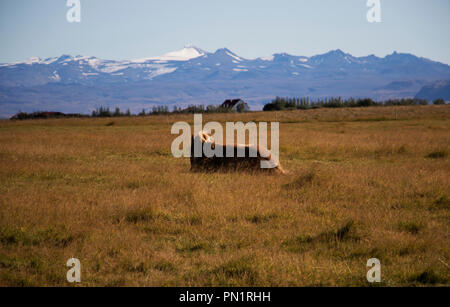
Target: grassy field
(362, 183)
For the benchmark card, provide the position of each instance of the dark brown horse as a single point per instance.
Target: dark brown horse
(253, 159)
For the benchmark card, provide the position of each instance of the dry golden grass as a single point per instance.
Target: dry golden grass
(361, 184)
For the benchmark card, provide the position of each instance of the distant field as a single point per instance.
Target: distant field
(363, 183)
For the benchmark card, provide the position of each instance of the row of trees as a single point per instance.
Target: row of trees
(116, 112)
(106, 112)
(45, 115)
(281, 103)
(161, 110)
(191, 109)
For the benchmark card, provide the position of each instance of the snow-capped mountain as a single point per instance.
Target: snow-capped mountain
(192, 75)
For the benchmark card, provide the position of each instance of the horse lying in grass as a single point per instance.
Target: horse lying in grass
(255, 156)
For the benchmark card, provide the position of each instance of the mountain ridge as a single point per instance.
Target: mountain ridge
(193, 75)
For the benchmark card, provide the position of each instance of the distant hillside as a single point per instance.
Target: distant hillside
(440, 89)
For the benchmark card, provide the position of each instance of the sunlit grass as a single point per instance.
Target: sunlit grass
(360, 185)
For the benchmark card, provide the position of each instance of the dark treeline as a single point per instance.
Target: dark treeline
(162, 110)
(106, 112)
(116, 112)
(280, 103)
(45, 115)
(191, 109)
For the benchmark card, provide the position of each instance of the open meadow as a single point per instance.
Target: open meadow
(362, 183)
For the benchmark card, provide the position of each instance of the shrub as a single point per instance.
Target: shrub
(439, 101)
(411, 227)
(437, 154)
(428, 276)
(140, 216)
(342, 234)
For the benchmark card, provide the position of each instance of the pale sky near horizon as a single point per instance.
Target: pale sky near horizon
(115, 29)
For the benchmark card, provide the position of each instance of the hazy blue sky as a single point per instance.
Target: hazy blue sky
(120, 29)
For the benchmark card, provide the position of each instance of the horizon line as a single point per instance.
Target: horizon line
(190, 46)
